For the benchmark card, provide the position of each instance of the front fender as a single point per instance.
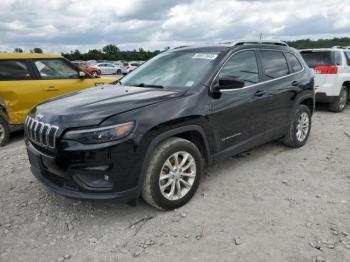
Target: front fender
(170, 133)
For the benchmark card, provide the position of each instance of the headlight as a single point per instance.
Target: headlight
(100, 134)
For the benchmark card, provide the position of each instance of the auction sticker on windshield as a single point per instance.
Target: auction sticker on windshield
(210, 56)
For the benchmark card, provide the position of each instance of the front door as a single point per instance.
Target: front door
(238, 116)
(58, 77)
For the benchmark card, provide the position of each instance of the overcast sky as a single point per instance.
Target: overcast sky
(64, 25)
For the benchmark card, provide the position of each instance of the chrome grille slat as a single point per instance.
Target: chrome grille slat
(47, 134)
(31, 129)
(40, 133)
(34, 129)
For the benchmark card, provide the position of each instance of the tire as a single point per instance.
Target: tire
(4, 131)
(299, 131)
(119, 72)
(340, 103)
(164, 157)
(94, 74)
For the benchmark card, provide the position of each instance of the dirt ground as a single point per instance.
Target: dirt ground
(270, 204)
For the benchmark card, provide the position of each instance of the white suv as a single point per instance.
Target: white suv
(332, 75)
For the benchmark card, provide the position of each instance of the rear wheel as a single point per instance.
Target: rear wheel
(339, 104)
(119, 72)
(4, 131)
(299, 129)
(173, 174)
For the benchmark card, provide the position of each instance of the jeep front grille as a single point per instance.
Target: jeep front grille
(40, 133)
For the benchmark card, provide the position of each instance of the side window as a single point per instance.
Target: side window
(242, 66)
(274, 64)
(338, 58)
(347, 55)
(55, 69)
(14, 70)
(293, 62)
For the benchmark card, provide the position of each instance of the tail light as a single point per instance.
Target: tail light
(325, 69)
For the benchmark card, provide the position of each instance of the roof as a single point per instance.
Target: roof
(322, 49)
(268, 44)
(27, 56)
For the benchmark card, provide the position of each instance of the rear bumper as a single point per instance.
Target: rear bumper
(324, 98)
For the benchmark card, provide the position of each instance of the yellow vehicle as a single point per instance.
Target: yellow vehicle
(28, 79)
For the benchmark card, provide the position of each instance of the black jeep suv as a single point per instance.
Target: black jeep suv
(151, 133)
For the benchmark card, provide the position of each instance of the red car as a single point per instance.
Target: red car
(95, 72)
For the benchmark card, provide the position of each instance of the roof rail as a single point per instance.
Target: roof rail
(260, 42)
(340, 47)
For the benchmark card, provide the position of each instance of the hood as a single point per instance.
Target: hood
(91, 106)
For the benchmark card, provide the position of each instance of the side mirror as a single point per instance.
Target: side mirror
(82, 74)
(229, 82)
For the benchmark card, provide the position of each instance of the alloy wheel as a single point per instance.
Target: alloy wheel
(303, 126)
(177, 175)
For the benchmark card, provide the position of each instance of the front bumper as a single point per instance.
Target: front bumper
(123, 196)
(81, 183)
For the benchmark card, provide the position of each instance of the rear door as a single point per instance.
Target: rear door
(19, 89)
(59, 77)
(280, 88)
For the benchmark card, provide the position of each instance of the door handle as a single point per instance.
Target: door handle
(259, 93)
(295, 83)
(51, 88)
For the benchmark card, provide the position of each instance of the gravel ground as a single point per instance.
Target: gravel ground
(269, 204)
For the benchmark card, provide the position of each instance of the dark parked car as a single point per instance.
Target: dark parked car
(151, 133)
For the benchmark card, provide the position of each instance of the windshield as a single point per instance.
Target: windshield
(173, 70)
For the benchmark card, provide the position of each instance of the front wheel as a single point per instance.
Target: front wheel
(299, 129)
(339, 104)
(173, 174)
(94, 74)
(119, 72)
(4, 131)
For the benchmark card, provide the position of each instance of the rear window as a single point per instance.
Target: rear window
(314, 59)
(274, 64)
(14, 70)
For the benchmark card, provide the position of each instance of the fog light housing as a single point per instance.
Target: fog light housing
(93, 182)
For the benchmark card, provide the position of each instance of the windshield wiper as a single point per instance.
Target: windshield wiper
(149, 85)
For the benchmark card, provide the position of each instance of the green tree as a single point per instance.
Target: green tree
(18, 50)
(38, 50)
(110, 49)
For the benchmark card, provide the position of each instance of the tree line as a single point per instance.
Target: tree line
(320, 43)
(113, 53)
